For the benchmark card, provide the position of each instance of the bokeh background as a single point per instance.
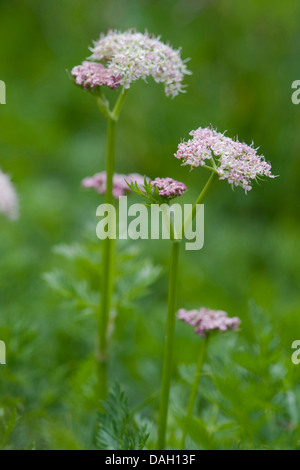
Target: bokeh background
(244, 57)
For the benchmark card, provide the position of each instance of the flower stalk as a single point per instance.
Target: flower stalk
(142, 55)
(169, 345)
(194, 390)
(170, 327)
(106, 287)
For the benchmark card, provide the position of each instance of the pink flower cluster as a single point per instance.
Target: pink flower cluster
(167, 187)
(98, 182)
(132, 55)
(8, 197)
(235, 161)
(90, 75)
(205, 320)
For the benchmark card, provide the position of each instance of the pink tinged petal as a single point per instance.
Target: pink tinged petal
(90, 75)
(168, 187)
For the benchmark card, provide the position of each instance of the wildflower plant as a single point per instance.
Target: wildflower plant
(205, 322)
(220, 383)
(118, 59)
(230, 160)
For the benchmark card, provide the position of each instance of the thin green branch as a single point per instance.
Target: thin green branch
(194, 391)
(119, 104)
(169, 346)
(198, 201)
(106, 288)
(170, 326)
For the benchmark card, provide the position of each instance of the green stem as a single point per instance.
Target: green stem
(107, 267)
(169, 345)
(199, 200)
(194, 391)
(119, 104)
(106, 287)
(170, 327)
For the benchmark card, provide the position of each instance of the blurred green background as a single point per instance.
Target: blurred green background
(244, 57)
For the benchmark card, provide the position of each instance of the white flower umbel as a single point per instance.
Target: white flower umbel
(132, 55)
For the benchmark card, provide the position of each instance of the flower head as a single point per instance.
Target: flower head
(167, 187)
(232, 160)
(90, 75)
(8, 197)
(205, 320)
(120, 186)
(132, 55)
